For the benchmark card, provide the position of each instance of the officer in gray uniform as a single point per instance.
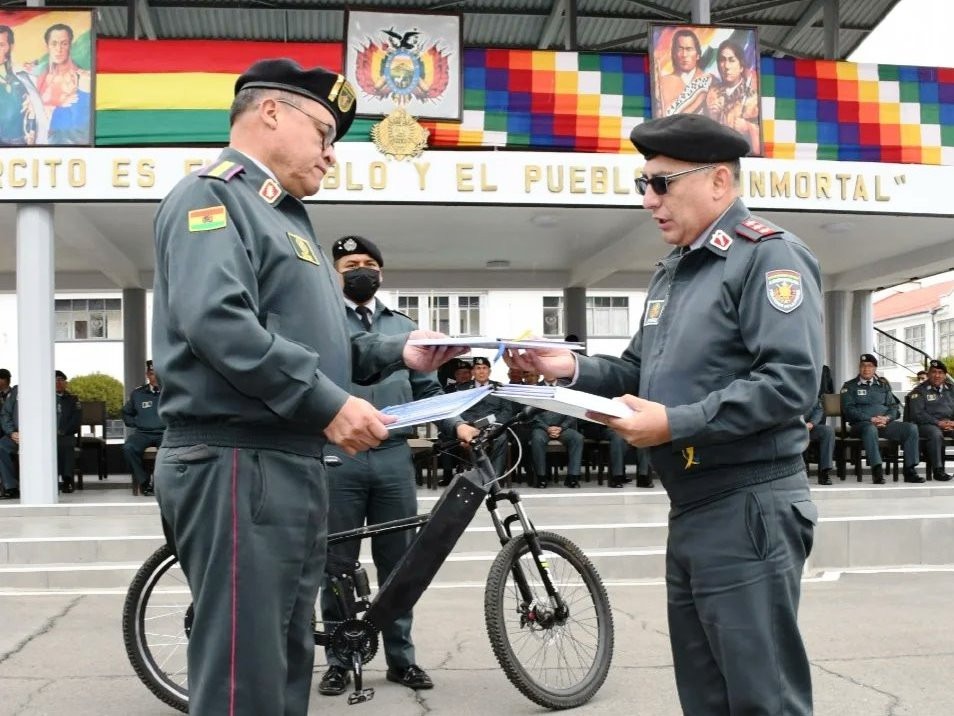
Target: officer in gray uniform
(9, 446)
(824, 435)
(69, 418)
(141, 413)
(547, 425)
(376, 485)
(872, 410)
(618, 447)
(932, 410)
(256, 361)
(726, 363)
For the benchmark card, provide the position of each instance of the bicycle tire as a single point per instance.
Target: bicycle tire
(134, 631)
(544, 693)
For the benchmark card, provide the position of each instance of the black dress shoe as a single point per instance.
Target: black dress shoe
(334, 682)
(542, 485)
(644, 481)
(940, 475)
(68, 487)
(146, 490)
(911, 475)
(413, 677)
(823, 478)
(877, 475)
(13, 493)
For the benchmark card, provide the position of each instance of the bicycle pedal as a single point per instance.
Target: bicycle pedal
(359, 697)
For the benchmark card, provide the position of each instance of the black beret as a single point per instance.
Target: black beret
(461, 363)
(480, 360)
(347, 245)
(690, 138)
(5, 374)
(868, 358)
(60, 374)
(938, 364)
(329, 89)
(149, 364)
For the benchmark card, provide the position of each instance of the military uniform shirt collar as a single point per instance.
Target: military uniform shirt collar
(372, 304)
(260, 165)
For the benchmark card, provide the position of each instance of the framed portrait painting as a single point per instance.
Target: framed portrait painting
(47, 77)
(710, 70)
(401, 60)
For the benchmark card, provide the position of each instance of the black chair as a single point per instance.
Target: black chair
(92, 437)
(848, 445)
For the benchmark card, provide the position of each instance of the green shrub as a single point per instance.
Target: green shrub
(98, 386)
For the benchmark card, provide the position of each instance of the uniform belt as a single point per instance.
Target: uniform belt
(254, 437)
(693, 489)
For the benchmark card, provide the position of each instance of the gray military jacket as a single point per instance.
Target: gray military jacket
(403, 385)
(249, 335)
(731, 343)
(861, 402)
(928, 404)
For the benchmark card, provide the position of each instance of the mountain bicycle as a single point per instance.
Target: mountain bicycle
(546, 610)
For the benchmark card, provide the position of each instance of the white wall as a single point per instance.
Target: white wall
(902, 377)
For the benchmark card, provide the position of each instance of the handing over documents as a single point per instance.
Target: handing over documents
(565, 401)
(495, 343)
(438, 407)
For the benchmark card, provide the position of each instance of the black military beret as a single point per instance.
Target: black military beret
(149, 364)
(690, 138)
(461, 363)
(868, 358)
(5, 374)
(329, 89)
(60, 374)
(347, 245)
(938, 364)
(480, 360)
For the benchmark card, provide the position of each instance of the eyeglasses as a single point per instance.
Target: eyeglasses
(326, 131)
(660, 182)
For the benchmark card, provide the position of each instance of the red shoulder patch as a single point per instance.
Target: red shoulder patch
(755, 230)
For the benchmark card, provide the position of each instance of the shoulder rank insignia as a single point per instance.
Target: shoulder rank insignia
(212, 217)
(784, 289)
(303, 249)
(270, 191)
(224, 170)
(720, 240)
(755, 230)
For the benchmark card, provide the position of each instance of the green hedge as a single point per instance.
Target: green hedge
(98, 386)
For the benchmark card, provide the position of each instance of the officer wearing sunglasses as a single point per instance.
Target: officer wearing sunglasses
(725, 364)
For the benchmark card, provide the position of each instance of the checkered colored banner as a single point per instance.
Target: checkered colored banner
(537, 99)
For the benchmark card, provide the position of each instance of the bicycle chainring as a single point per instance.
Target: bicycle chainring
(354, 635)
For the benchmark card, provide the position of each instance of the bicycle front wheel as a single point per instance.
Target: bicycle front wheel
(556, 660)
(157, 618)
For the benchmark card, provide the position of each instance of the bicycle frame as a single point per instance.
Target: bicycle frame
(440, 531)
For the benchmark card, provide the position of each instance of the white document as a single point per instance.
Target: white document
(438, 407)
(565, 401)
(494, 343)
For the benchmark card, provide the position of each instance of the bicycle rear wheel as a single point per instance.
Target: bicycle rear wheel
(559, 663)
(157, 616)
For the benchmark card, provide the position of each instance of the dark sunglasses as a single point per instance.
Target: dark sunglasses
(660, 182)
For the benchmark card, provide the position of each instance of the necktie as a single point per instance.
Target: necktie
(364, 313)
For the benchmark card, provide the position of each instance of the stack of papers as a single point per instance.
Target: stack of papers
(494, 343)
(563, 400)
(438, 407)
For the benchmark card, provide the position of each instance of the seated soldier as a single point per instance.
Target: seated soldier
(69, 417)
(872, 411)
(547, 426)
(141, 412)
(618, 448)
(932, 410)
(9, 446)
(824, 435)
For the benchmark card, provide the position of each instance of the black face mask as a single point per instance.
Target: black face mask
(361, 284)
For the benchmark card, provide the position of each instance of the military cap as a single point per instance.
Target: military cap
(5, 374)
(480, 360)
(149, 364)
(329, 89)
(462, 363)
(61, 374)
(347, 245)
(938, 364)
(868, 358)
(690, 138)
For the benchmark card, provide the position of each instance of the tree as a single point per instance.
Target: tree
(98, 386)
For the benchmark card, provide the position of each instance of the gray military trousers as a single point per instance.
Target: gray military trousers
(904, 433)
(250, 531)
(733, 580)
(368, 488)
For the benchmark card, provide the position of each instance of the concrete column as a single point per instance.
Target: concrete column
(574, 311)
(36, 401)
(830, 23)
(134, 338)
(699, 12)
(862, 324)
(842, 355)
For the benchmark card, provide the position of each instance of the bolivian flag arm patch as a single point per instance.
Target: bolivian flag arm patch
(784, 289)
(212, 217)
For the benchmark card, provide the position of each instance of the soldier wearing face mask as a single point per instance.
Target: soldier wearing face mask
(376, 485)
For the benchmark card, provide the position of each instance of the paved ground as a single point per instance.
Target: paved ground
(881, 644)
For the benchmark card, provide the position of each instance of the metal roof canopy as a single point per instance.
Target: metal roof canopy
(786, 27)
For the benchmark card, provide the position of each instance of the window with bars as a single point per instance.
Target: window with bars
(607, 316)
(945, 338)
(553, 316)
(88, 319)
(915, 336)
(886, 346)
